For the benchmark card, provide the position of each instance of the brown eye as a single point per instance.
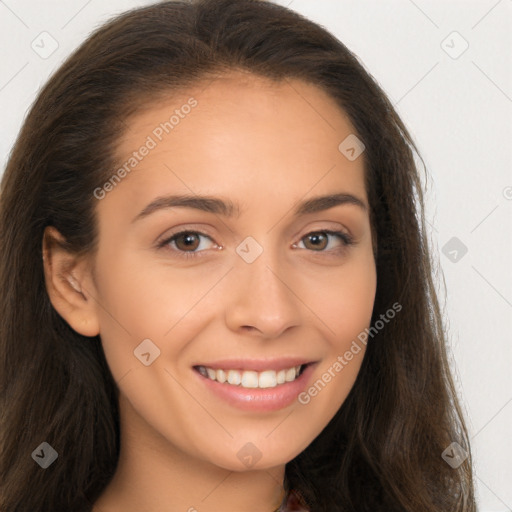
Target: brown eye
(190, 241)
(318, 240)
(187, 244)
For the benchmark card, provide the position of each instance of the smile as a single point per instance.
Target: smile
(252, 379)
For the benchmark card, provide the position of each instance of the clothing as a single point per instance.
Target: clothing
(292, 505)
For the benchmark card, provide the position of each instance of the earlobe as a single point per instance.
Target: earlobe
(65, 277)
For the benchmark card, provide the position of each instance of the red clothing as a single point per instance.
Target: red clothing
(293, 505)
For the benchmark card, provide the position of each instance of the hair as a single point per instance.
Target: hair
(382, 450)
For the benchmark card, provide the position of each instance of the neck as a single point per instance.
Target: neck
(155, 476)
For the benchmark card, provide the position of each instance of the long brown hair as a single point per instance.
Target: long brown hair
(382, 450)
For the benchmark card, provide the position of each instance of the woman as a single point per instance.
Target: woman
(216, 284)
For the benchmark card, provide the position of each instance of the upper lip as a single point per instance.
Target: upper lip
(257, 365)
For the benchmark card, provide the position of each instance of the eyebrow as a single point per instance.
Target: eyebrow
(229, 209)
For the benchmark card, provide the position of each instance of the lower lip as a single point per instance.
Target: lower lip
(260, 399)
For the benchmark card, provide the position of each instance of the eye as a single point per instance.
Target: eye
(185, 243)
(188, 244)
(318, 241)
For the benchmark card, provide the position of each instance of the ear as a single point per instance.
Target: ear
(69, 284)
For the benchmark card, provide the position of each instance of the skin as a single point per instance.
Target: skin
(266, 146)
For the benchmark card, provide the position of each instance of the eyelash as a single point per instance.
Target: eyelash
(346, 240)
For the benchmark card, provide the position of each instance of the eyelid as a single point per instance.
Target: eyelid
(187, 228)
(167, 239)
(346, 238)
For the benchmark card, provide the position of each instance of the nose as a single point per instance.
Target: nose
(262, 298)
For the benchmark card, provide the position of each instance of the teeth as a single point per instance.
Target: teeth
(267, 379)
(251, 379)
(221, 376)
(290, 374)
(234, 377)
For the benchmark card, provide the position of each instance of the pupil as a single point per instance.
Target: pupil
(316, 238)
(188, 240)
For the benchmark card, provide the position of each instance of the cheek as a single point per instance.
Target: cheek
(344, 305)
(344, 300)
(139, 299)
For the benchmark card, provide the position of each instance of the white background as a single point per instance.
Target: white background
(458, 108)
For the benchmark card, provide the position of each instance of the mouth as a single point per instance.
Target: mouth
(251, 379)
(257, 386)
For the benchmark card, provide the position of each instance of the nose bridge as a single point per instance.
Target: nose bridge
(262, 297)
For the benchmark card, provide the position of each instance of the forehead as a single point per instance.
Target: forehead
(243, 132)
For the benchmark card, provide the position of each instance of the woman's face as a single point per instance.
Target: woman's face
(241, 276)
